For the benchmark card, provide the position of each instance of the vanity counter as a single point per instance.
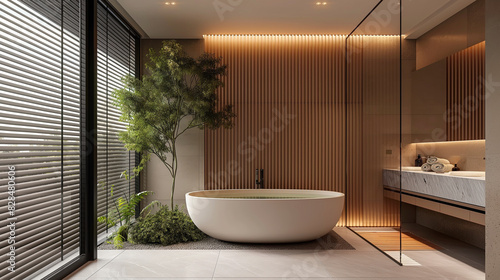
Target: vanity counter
(469, 190)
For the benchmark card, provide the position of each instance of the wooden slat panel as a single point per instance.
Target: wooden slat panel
(390, 241)
(380, 126)
(288, 94)
(465, 94)
(354, 131)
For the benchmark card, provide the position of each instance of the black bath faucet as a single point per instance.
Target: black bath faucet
(259, 179)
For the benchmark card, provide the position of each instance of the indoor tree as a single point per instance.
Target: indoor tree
(176, 94)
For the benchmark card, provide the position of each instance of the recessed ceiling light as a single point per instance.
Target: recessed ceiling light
(170, 3)
(321, 3)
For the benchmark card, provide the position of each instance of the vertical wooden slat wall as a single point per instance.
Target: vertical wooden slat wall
(381, 126)
(288, 94)
(465, 94)
(354, 148)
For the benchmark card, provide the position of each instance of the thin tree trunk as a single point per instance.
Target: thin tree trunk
(174, 175)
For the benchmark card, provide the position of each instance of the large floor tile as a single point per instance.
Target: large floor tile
(369, 265)
(269, 263)
(391, 278)
(328, 278)
(454, 248)
(150, 278)
(160, 263)
(103, 258)
(361, 264)
(445, 266)
(357, 242)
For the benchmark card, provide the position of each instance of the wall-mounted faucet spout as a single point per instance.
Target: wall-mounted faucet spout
(262, 178)
(259, 179)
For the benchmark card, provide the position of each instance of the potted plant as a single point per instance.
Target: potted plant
(177, 94)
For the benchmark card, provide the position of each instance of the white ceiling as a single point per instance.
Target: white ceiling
(193, 18)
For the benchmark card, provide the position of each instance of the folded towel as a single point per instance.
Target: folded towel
(431, 160)
(426, 167)
(442, 167)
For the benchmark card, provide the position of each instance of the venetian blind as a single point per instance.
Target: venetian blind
(41, 67)
(115, 58)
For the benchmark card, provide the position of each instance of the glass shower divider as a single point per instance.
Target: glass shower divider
(373, 128)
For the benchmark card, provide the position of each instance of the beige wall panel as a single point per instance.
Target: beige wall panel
(464, 29)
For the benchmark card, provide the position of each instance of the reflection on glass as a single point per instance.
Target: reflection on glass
(373, 127)
(443, 93)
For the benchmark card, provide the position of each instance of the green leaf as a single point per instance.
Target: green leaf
(147, 209)
(118, 241)
(122, 212)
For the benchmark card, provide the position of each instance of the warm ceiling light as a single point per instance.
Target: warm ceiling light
(170, 3)
(321, 3)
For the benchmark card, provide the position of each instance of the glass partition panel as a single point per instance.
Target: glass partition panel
(443, 95)
(373, 126)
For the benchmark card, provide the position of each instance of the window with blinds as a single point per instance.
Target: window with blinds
(116, 51)
(41, 64)
(42, 85)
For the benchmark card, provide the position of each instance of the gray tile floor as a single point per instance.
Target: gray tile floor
(363, 263)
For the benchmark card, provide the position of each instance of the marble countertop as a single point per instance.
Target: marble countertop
(470, 190)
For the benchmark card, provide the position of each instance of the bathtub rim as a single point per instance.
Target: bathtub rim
(325, 194)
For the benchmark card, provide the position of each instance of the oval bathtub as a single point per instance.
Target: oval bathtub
(265, 216)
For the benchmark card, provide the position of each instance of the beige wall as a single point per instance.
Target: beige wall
(464, 29)
(428, 103)
(492, 139)
(190, 147)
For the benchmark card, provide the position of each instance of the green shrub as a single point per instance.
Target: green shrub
(165, 227)
(122, 212)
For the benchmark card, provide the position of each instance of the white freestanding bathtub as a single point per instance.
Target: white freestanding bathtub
(265, 216)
